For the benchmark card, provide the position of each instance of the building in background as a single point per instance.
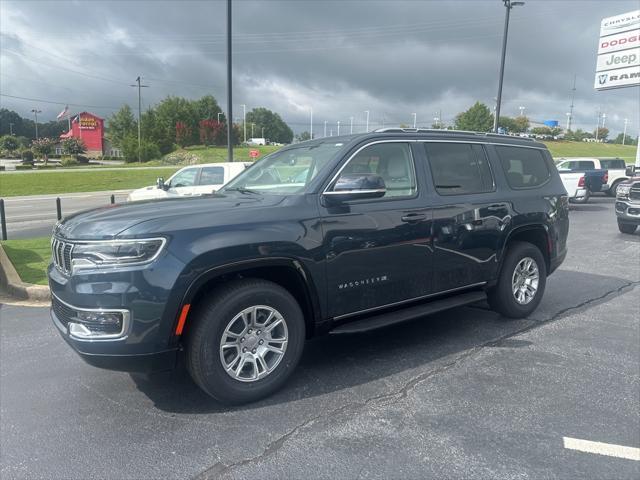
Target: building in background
(90, 129)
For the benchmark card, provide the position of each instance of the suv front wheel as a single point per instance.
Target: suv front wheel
(521, 281)
(245, 341)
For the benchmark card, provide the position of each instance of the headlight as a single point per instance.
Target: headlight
(115, 253)
(623, 190)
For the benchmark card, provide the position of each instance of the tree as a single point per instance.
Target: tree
(508, 123)
(206, 108)
(73, 146)
(478, 119)
(521, 124)
(602, 133)
(304, 136)
(545, 131)
(628, 139)
(210, 131)
(43, 147)
(183, 134)
(120, 125)
(9, 143)
(275, 129)
(148, 150)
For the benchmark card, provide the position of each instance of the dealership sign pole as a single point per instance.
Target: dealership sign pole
(618, 63)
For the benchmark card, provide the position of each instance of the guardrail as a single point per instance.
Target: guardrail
(3, 217)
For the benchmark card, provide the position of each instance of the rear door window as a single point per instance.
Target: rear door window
(523, 167)
(613, 164)
(459, 168)
(212, 176)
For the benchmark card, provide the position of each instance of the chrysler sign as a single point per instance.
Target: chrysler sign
(618, 63)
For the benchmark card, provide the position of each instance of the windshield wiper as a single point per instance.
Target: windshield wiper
(241, 190)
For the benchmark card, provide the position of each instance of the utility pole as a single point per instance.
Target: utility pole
(35, 112)
(415, 118)
(604, 117)
(229, 89)
(509, 4)
(351, 129)
(325, 128)
(568, 121)
(597, 125)
(311, 123)
(244, 121)
(338, 127)
(624, 133)
(573, 96)
(263, 134)
(139, 86)
(11, 128)
(521, 108)
(252, 125)
(367, 128)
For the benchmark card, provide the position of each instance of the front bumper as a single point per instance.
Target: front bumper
(627, 211)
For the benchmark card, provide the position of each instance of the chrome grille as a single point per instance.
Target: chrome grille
(634, 193)
(61, 254)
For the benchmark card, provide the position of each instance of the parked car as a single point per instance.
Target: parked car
(581, 184)
(189, 181)
(628, 205)
(341, 234)
(615, 167)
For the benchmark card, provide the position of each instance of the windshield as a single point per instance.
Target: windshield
(287, 171)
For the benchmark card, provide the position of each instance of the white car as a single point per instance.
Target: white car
(191, 181)
(616, 168)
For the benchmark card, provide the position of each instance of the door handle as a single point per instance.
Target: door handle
(413, 217)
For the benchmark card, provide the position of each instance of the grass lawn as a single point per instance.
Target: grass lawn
(219, 154)
(585, 149)
(39, 183)
(30, 258)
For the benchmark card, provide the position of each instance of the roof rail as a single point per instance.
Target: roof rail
(446, 132)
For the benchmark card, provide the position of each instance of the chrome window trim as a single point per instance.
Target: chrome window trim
(122, 335)
(401, 302)
(346, 192)
(333, 180)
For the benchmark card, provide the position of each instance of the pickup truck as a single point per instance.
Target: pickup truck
(581, 184)
(615, 167)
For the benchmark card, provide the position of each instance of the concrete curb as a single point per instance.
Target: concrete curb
(14, 285)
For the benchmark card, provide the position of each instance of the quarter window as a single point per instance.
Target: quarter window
(459, 168)
(613, 164)
(392, 161)
(524, 167)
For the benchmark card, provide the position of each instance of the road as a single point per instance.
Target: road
(462, 394)
(35, 216)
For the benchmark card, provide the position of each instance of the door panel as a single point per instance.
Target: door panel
(378, 252)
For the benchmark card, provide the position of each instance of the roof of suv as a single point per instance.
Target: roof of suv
(430, 134)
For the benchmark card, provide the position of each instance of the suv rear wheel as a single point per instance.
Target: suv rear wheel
(521, 281)
(245, 341)
(626, 227)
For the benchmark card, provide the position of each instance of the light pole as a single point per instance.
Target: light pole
(325, 128)
(219, 113)
(367, 128)
(244, 121)
(35, 112)
(604, 118)
(521, 108)
(573, 95)
(415, 118)
(436, 120)
(263, 135)
(351, 128)
(597, 125)
(338, 127)
(311, 123)
(509, 4)
(568, 121)
(229, 89)
(252, 125)
(624, 133)
(11, 128)
(139, 114)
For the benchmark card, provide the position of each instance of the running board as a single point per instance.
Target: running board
(398, 316)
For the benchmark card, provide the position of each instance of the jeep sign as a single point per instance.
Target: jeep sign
(618, 63)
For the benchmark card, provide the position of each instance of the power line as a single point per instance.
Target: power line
(58, 103)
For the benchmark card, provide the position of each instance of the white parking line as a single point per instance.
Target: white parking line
(609, 449)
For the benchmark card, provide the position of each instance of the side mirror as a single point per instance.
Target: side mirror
(356, 186)
(160, 183)
(630, 170)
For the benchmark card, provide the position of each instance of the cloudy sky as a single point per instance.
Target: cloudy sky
(337, 57)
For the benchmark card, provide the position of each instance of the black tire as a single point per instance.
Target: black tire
(612, 191)
(626, 227)
(210, 320)
(501, 297)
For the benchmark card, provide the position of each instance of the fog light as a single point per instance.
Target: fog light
(97, 324)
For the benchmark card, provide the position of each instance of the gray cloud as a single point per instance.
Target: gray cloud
(340, 58)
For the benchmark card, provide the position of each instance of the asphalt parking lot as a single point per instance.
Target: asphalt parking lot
(463, 394)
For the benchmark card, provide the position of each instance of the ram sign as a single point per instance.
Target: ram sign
(618, 63)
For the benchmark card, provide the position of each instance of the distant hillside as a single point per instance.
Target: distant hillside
(586, 149)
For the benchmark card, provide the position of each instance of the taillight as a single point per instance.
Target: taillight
(605, 179)
(581, 182)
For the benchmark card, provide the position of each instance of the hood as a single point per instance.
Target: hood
(111, 220)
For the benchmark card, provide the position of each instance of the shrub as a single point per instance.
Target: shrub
(73, 146)
(82, 159)
(69, 162)
(26, 155)
(26, 166)
(181, 158)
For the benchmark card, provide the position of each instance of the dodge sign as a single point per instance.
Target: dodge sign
(618, 63)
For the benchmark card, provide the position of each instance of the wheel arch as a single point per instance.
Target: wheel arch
(537, 235)
(287, 272)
